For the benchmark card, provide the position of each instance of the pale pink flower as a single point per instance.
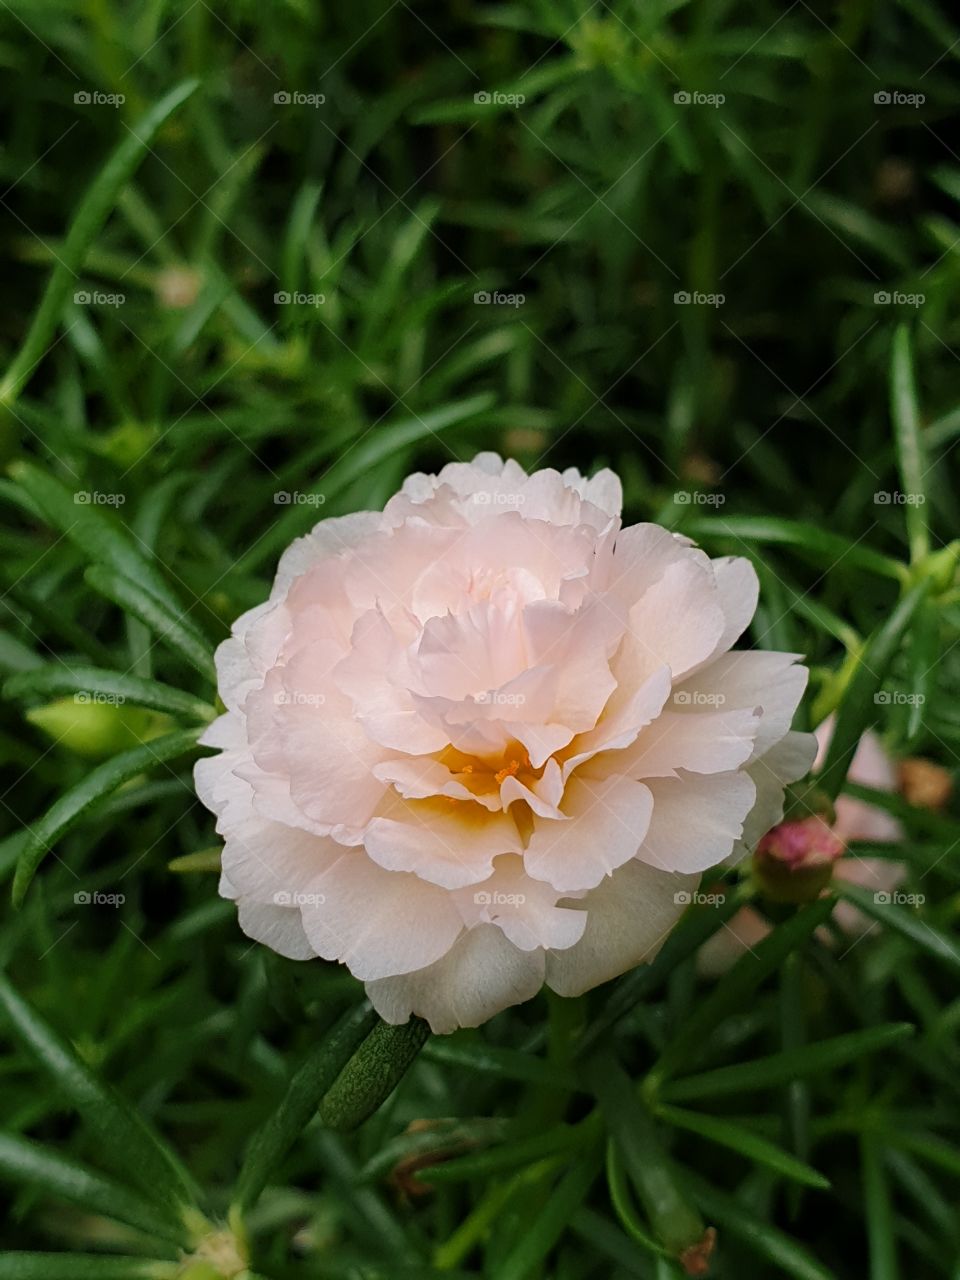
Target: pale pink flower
(854, 820)
(487, 738)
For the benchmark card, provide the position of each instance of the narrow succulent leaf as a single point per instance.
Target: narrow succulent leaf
(127, 1141)
(70, 807)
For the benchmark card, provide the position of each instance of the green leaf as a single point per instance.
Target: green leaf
(360, 459)
(298, 1105)
(907, 923)
(91, 214)
(72, 805)
(781, 1068)
(541, 1234)
(507, 1156)
(126, 1140)
(880, 1220)
(923, 658)
(502, 1064)
(826, 548)
(372, 1074)
(911, 452)
(858, 710)
(438, 1139)
(83, 1266)
(26, 1162)
(171, 626)
(96, 532)
(749, 1144)
(50, 679)
(931, 1149)
(734, 990)
(790, 1257)
(634, 1131)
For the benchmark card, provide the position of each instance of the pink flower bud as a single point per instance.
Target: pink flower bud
(794, 860)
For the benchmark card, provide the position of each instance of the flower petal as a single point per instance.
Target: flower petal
(377, 922)
(696, 820)
(448, 842)
(628, 917)
(608, 821)
(482, 974)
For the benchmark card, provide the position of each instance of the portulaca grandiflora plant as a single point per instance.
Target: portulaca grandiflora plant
(522, 850)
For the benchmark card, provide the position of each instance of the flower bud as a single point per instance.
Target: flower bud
(96, 729)
(794, 860)
(925, 784)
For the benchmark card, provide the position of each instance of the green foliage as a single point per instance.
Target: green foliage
(227, 315)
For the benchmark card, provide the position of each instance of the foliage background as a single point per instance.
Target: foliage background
(764, 425)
